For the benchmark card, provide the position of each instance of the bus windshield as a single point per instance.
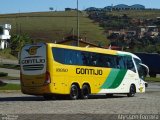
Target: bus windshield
(139, 69)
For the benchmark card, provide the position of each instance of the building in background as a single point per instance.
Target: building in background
(5, 35)
(152, 31)
(72, 41)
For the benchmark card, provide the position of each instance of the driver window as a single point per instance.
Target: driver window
(141, 70)
(130, 64)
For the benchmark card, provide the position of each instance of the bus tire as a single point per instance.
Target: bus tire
(74, 92)
(109, 95)
(48, 97)
(85, 91)
(132, 91)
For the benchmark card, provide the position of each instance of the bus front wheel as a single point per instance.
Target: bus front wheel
(109, 95)
(74, 92)
(132, 91)
(85, 91)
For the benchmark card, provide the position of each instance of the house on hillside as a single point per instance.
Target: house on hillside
(151, 31)
(4, 35)
(72, 40)
(82, 43)
(122, 32)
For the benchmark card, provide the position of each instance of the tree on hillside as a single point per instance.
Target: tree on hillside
(18, 41)
(51, 8)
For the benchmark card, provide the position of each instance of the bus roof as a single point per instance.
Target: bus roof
(94, 49)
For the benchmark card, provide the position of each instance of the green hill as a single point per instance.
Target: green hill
(54, 26)
(139, 14)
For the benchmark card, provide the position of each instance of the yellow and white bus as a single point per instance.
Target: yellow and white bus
(49, 69)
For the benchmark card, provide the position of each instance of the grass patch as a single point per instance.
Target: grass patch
(152, 79)
(5, 86)
(6, 53)
(9, 78)
(54, 26)
(143, 14)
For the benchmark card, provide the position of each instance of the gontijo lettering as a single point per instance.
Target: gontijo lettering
(89, 71)
(33, 61)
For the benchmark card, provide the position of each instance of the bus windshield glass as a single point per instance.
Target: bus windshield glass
(140, 71)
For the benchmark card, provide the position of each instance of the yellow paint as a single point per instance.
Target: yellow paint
(141, 89)
(33, 80)
(62, 81)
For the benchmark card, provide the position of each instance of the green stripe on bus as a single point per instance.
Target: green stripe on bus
(119, 78)
(110, 79)
(114, 79)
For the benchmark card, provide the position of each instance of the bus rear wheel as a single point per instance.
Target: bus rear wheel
(74, 92)
(132, 91)
(48, 97)
(85, 91)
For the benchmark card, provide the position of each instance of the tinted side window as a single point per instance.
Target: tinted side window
(86, 58)
(110, 61)
(58, 55)
(121, 62)
(67, 56)
(75, 57)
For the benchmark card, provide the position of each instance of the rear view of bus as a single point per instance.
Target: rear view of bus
(33, 69)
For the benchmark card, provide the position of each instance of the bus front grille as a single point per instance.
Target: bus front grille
(33, 67)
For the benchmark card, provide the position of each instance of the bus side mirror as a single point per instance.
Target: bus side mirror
(144, 69)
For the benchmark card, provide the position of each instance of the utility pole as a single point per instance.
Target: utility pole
(77, 24)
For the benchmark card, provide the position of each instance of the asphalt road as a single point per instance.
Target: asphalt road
(98, 106)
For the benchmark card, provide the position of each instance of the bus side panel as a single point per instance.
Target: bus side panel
(56, 85)
(63, 76)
